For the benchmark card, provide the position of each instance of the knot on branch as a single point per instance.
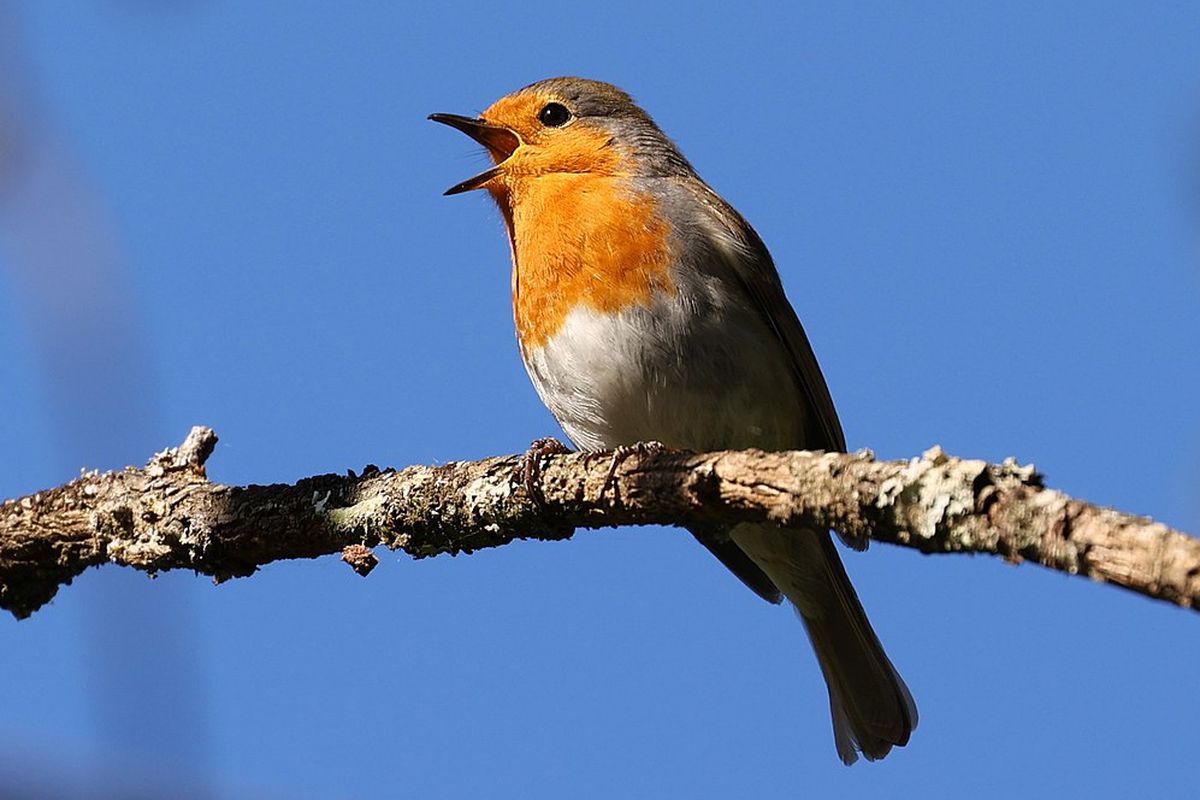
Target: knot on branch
(360, 558)
(191, 454)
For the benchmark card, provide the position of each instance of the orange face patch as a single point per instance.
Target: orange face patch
(575, 147)
(519, 113)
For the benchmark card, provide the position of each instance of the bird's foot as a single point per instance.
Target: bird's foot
(622, 453)
(528, 471)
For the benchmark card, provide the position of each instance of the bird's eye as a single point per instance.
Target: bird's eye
(554, 115)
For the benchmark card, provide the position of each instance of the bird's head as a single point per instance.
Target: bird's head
(565, 125)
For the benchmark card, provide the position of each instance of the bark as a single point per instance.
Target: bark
(168, 515)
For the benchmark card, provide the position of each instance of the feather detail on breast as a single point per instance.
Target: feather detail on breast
(583, 240)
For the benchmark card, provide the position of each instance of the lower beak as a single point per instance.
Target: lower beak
(499, 141)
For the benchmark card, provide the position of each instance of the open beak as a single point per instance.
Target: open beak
(499, 141)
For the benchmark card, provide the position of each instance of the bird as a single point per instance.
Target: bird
(648, 310)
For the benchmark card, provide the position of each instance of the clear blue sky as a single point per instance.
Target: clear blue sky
(231, 214)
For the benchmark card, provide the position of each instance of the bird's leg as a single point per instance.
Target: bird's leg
(528, 471)
(621, 453)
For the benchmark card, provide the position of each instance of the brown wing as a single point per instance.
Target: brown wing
(753, 267)
(752, 264)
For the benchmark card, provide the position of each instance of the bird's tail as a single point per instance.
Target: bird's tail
(871, 707)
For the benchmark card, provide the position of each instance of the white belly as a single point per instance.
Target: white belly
(690, 374)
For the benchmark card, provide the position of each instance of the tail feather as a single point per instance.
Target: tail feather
(871, 707)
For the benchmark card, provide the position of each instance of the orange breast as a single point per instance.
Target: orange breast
(582, 239)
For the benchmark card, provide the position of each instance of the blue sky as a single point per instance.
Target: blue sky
(230, 214)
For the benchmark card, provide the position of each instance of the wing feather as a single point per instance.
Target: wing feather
(753, 267)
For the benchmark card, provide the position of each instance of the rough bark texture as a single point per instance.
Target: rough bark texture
(167, 515)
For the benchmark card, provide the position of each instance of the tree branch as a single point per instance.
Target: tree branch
(167, 515)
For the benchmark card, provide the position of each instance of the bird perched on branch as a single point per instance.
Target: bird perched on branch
(648, 309)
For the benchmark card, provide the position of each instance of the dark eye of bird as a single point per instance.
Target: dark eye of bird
(554, 115)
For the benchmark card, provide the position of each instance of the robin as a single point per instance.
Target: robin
(648, 309)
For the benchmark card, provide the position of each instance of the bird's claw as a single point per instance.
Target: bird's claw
(623, 452)
(528, 471)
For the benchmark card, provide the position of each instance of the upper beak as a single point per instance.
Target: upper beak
(500, 142)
